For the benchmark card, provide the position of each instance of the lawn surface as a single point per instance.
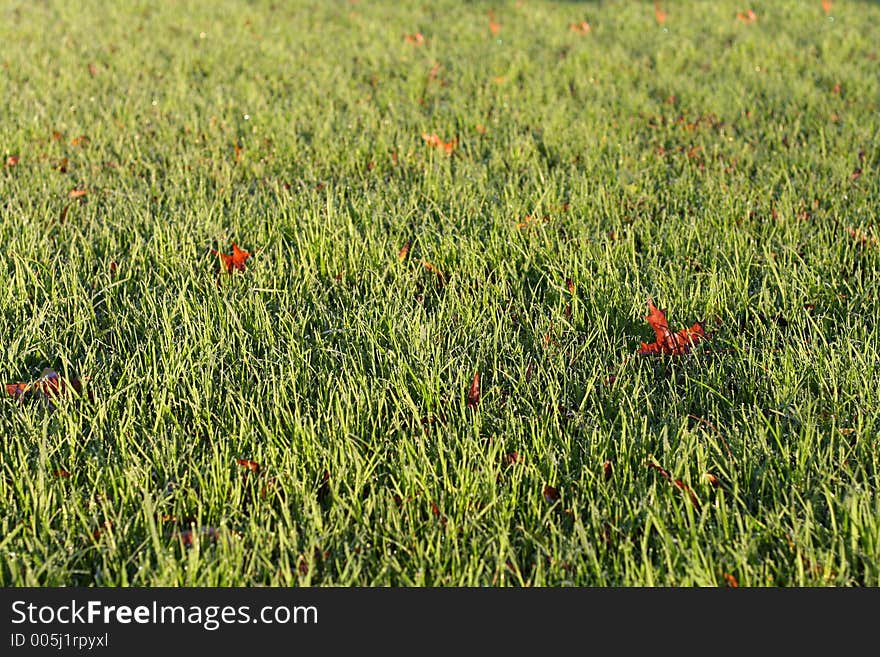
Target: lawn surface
(314, 419)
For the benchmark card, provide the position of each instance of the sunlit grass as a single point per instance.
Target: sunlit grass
(727, 170)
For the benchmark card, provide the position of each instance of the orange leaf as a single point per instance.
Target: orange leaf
(433, 269)
(252, 466)
(747, 17)
(607, 470)
(474, 391)
(826, 6)
(416, 39)
(494, 26)
(12, 160)
(731, 581)
(76, 193)
(235, 261)
(667, 342)
(659, 14)
(434, 141)
(580, 28)
(404, 251)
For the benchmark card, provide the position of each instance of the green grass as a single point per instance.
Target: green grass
(706, 163)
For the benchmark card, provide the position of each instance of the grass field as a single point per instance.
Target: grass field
(310, 419)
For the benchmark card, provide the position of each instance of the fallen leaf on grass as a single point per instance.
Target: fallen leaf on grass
(62, 473)
(607, 470)
(49, 386)
(100, 529)
(249, 465)
(474, 392)
(434, 141)
(494, 25)
(77, 193)
(235, 260)
(268, 487)
(530, 221)
(324, 488)
(747, 17)
(404, 251)
(731, 581)
(827, 5)
(433, 269)
(678, 483)
(189, 536)
(659, 14)
(862, 238)
(667, 342)
(416, 39)
(12, 160)
(551, 494)
(580, 28)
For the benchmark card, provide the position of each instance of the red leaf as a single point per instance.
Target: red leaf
(551, 494)
(236, 260)
(12, 160)
(667, 342)
(474, 392)
(188, 536)
(324, 487)
(253, 466)
(50, 385)
(16, 390)
(607, 470)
